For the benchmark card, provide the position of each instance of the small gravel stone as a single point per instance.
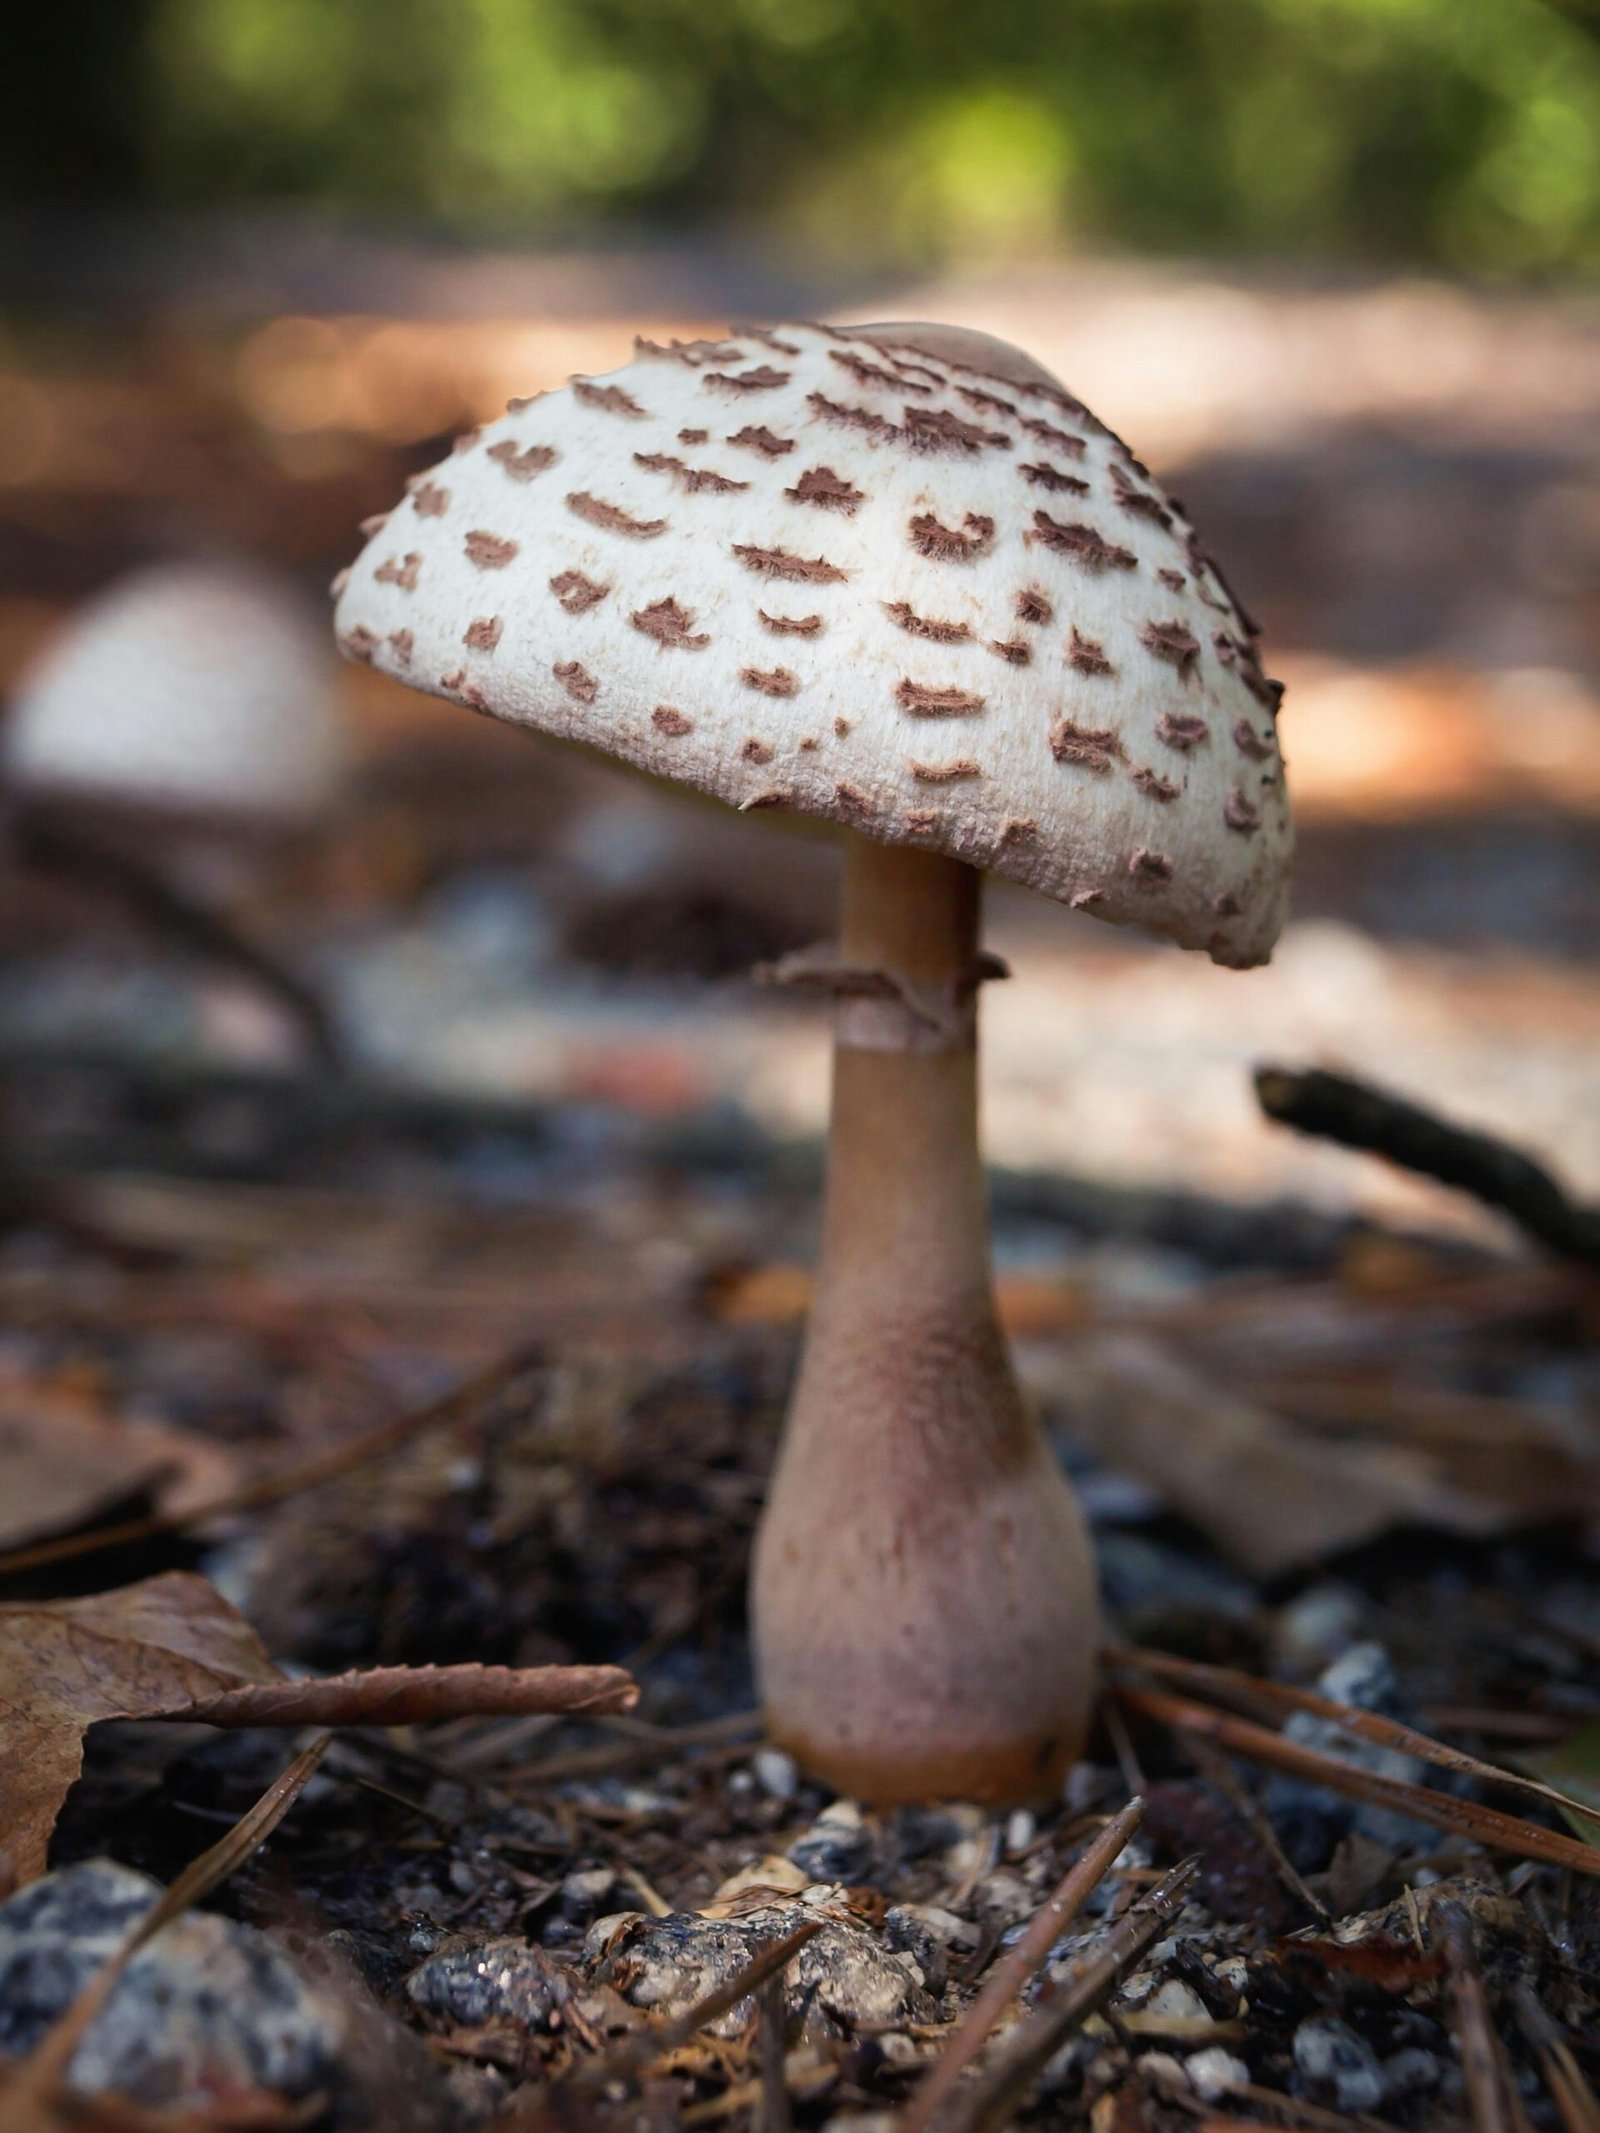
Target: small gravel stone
(837, 1847)
(777, 1773)
(500, 1980)
(1215, 2073)
(207, 2006)
(1332, 2058)
(1177, 2002)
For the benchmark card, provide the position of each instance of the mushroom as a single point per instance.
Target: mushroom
(193, 688)
(191, 708)
(899, 579)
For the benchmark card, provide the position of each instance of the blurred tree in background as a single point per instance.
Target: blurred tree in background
(1463, 132)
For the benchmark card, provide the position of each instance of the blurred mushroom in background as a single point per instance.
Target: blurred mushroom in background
(183, 723)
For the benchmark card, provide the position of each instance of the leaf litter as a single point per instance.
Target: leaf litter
(566, 1917)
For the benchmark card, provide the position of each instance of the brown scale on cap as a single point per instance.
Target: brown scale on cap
(1086, 747)
(951, 773)
(758, 438)
(1153, 785)
(756, 751)
(866, 373)
(576, 679)
(852, 418)
(841, 729)
(612, 517)
(830, 491)
(693, 436)
(1044, 476)
(1015, 651)
(951, 544)
(1182, 730)
(810, 744)
(488, 550)
(853, 797)
(671, 722)
(1018, 829)
(1032, 606)
(1084, 544)
(694, 479)
(925, 702)
(670, 625)
(337, 583)
(516, 405)
(1047, 433)
(937, 429)
(1248, 742)
(576, 592)
(401, 571)
(778, 563)
(611, 399)
(1225, 905)
(526, 464)
(790, 625)
(771, 681)
(1174, 642)
(428, 500)
(929, 626)
(767, 338)
(1137, 502)
(374, 524)
(763, 379)
(360, 642)
(464, 691)
(483, 634)
(770, 798)
(920, 821)
(1149, 868)
(1240, 654)
(1241, 814)
(1086, 655)
(1086, 899)
(975, 396)
(401, 643)
(1173, 580)
(694, 353)
(467, 439)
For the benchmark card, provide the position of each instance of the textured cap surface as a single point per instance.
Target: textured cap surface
(189, 685)
(925, 596)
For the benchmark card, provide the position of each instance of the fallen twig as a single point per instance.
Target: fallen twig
(1336, 1107)
(988, 2102)
(1254, 1697)
(1019, 1963)
(1564, 2078)
(1462, 1818)
(1492, 2095)
(46, 842)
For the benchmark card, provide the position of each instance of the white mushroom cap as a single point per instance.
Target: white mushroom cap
(881, 580)
(198, 687)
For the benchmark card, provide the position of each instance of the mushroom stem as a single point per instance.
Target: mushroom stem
(923, 1589)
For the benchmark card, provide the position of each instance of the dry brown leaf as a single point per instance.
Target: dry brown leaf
(171, 1647)
(64, 1462)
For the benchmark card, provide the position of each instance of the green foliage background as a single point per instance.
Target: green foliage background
(1463, 132)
